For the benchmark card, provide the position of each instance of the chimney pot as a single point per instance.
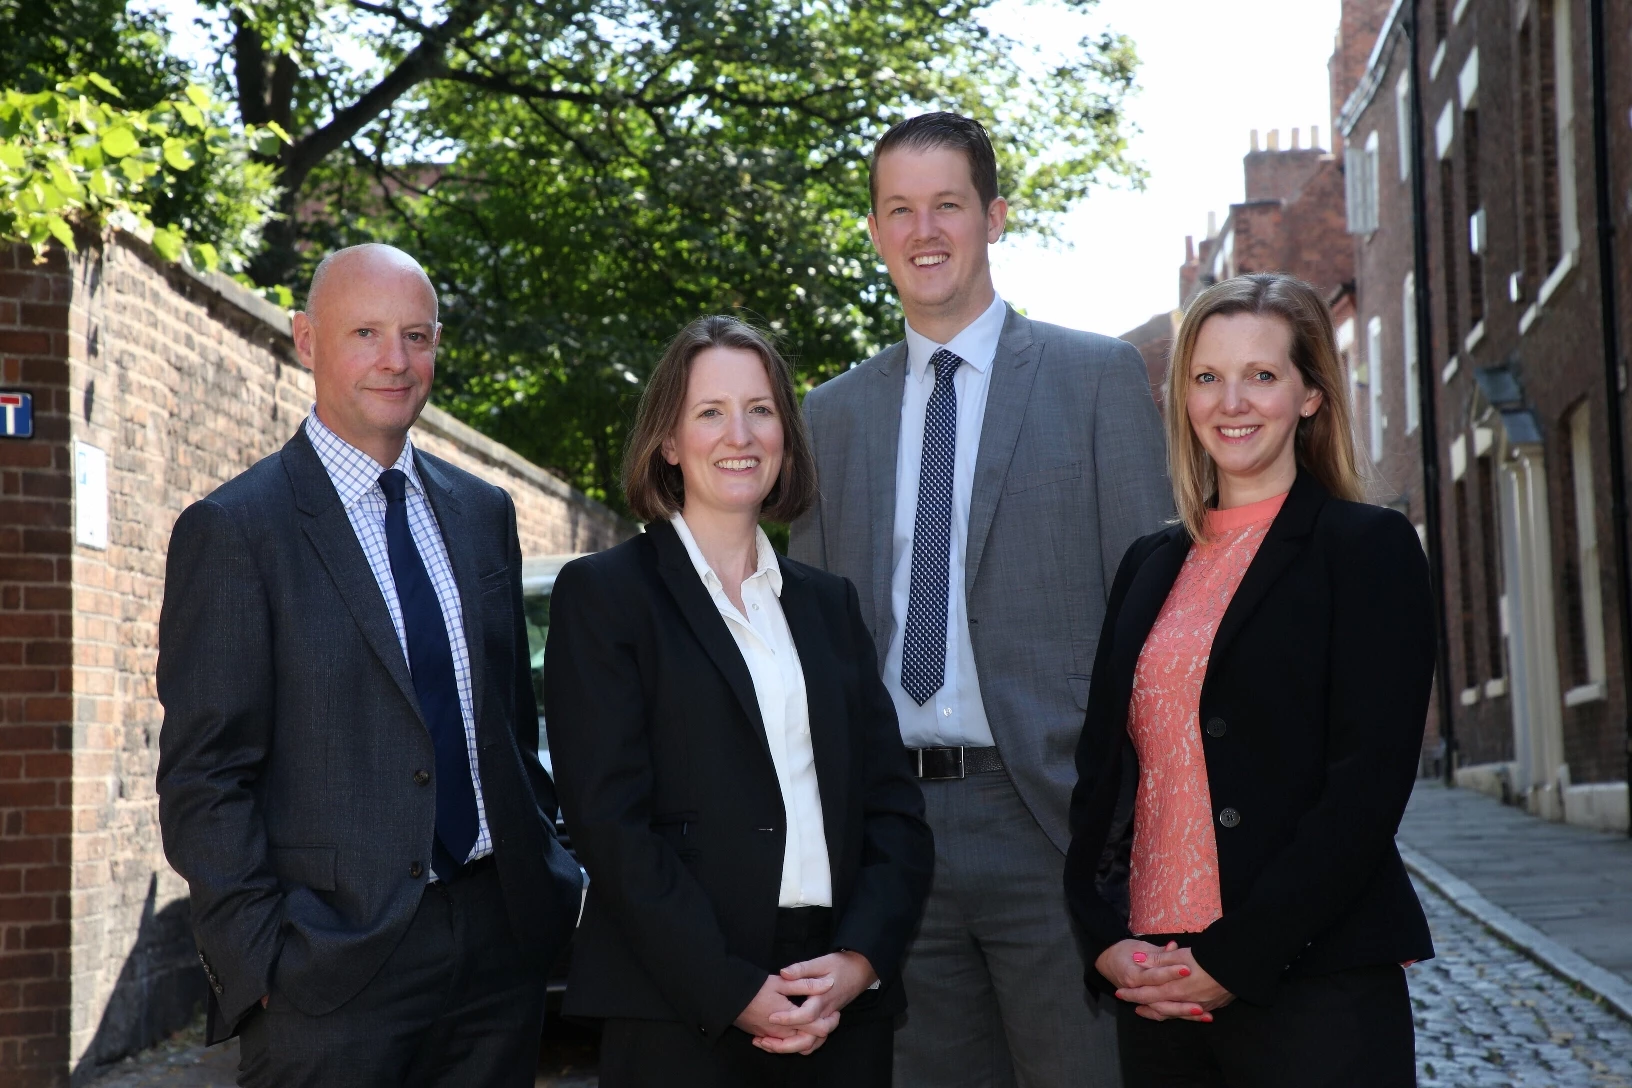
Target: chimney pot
(1212, 224)
(1314, 137)
(1274, 139)
(1255, 139)
(1297, 139)
(1189, 249)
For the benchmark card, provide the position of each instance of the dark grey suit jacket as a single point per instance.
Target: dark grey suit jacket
(292, 737)
(1071, 470)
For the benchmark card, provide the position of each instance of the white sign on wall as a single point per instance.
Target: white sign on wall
(90, 495)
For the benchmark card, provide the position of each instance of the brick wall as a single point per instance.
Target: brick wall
(184, 381)
(36, 763)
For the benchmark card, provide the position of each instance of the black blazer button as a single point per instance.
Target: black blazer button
(218, 988)
(1229, 817)
(1216, 727)
(416, 870)
(421, 777)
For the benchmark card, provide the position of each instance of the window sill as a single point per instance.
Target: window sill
(1475, 336)
(1448, 372)
(1586, 693)
(1566, 265)
(1470, 696)
(1495, 689)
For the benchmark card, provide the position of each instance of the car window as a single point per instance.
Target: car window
(537, 609)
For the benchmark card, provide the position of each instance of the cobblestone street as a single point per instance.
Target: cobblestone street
(1490, 1016)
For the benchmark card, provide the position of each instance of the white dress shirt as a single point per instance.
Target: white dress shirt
(954, 715)
(766, 644)
(356, 476)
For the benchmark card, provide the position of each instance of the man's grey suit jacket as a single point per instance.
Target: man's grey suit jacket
(1071, 470)
(290, 789)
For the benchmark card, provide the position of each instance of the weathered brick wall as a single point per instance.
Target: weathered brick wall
(184, 382)
(36, 763)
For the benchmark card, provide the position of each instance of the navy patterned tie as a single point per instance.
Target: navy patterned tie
(923, 647)
(430, 660)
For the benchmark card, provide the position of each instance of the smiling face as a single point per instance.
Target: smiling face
(369, 337)
(1244, 401)
(932, 232)
(728, 443)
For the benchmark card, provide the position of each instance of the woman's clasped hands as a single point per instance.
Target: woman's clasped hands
(1166, 983)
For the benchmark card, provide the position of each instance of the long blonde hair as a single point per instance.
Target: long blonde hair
(1325, 440)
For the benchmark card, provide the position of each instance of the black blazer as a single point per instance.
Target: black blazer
(672, 801)
(1313, 707)
(289, 795)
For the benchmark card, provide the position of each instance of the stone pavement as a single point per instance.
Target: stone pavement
(1571, 884)
(1490, 1017)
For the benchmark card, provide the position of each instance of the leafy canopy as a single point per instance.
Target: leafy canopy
(71, 157)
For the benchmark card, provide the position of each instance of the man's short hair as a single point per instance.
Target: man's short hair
(929, 131)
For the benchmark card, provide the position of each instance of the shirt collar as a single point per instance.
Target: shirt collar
(354, 472)
(975, 345)
(765, 564)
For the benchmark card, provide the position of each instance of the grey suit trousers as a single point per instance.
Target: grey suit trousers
(994, 981)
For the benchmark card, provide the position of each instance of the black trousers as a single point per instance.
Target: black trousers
(456, 1004)
(649, 1053)
(1348, 1029)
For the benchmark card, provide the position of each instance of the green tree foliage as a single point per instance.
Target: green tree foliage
(43, 42)
(70, 157)
(582, 177)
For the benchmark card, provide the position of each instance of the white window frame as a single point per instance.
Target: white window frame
(1374, 386)
(1361, 186)
(1586, 540)
(1402, 121)
(1408, 337)
(1569, 229)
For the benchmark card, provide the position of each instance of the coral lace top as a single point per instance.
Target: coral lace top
(1173, 882)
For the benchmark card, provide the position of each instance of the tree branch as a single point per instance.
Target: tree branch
(427, 60)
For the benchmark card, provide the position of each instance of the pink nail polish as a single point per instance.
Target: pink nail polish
(1184, 972)
(1196, 1011)
(1138, 957)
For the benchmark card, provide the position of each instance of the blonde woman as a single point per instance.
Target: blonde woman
(1252, 734)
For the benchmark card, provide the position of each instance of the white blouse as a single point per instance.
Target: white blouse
(767, 647)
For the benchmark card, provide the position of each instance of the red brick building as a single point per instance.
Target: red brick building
(1516, 362)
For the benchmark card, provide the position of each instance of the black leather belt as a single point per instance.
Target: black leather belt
(943, 764)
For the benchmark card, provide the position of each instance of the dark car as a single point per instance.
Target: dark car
(537, 580)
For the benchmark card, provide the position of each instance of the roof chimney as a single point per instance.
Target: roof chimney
(1314, 137)
(1274, 139)
(1255, 139)
(1297, 138)
(1189, 249)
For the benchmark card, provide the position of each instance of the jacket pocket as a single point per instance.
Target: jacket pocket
(494, 580)
(1054, 474)
(312, 866)
(674, 828)
(1079, 689)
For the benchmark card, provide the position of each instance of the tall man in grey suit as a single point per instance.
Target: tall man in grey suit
(348, 774)
(979, 484)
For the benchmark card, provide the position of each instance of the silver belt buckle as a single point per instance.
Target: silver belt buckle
(961, 772)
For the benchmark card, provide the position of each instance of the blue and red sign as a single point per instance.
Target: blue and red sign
(16, 415)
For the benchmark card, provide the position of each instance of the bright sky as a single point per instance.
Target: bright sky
(1211, 71)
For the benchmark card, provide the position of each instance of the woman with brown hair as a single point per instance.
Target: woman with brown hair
(1252, 734)
(727, 758)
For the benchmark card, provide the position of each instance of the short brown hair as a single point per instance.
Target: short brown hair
(656, 489)
(928, 131)
(1324, 442)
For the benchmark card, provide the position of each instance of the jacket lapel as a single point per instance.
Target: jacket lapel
(462, 557)
(1006, 401)
(674, 566)
(1281, 545)
(324, 521)
(829, 740)
(883, 431)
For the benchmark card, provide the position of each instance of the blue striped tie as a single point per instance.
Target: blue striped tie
(923, 646)
(430, 660)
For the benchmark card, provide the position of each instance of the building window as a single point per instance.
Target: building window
(1360, 184)
(1583, 587)
(1471, 646)
(1374, 385)
(1408, 336)
(1490, 537)
(1345, 351)
(1448, 239)
(1528, 164)
(1476, 215)
(1402, 122)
